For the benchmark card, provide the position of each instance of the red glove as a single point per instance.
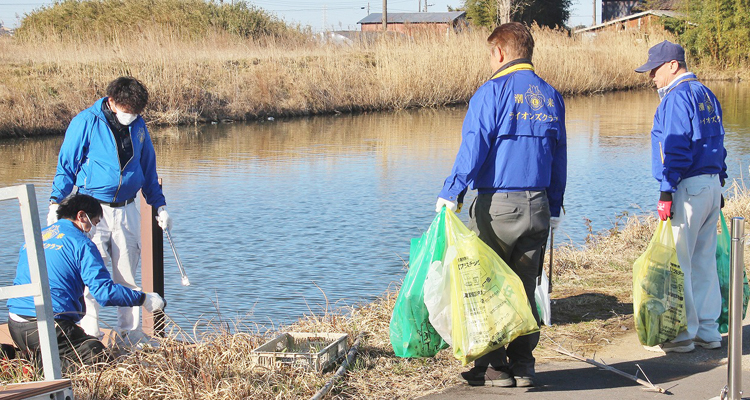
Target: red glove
(665, 210)
(665, 206)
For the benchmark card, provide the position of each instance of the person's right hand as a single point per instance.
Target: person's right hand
(153, 302)
(447, 203)
(52, 216)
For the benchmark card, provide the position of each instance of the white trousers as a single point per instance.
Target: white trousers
(696, 205)
(118, 238)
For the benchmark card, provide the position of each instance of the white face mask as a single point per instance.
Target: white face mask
(91, 231)
(125, 118)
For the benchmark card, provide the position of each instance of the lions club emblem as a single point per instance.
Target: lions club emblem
(534, 97)
(50, 232)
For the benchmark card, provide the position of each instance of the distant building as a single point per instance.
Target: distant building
(616, 9)
(409, 23)
(5, 31)
(621, 15)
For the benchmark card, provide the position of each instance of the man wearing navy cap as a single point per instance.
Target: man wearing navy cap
(688, 160)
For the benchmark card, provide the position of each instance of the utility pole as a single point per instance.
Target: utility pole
(419, 7)
(594, 20)
(325, 8)
(385, 15)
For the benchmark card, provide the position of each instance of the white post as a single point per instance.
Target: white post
(39, 286)
(734, 376)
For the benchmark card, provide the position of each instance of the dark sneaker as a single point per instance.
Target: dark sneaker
(491, 377)
(474, 374)
(707, 345)
(683, 346)
(524, 381)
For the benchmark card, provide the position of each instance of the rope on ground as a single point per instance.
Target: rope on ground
(341, 371)
(646, 383)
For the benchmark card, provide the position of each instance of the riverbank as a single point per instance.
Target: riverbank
(220, 77)
(592, 308)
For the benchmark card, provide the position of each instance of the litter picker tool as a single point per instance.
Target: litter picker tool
(185, 280)
(646, 383)
(551, 254)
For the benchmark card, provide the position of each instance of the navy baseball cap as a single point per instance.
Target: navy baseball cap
(661, 53)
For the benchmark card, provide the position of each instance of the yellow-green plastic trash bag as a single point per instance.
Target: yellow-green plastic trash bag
(411, 334)
(659, 290)
(723, 248)
(489, 307)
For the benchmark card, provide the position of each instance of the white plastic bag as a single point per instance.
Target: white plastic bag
(437, 296)
(541, 294)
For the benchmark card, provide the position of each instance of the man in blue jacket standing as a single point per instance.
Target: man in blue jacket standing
(107, 154)
(688, 160)
(514, 154)
(73, 263)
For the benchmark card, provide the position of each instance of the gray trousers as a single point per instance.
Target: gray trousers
(516, 226)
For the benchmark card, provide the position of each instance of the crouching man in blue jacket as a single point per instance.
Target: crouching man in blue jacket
(514, 153)
(73, 263)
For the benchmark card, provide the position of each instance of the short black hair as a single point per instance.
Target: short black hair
(129, 92)
(79, 202)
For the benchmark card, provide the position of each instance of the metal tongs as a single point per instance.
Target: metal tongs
(185, 280)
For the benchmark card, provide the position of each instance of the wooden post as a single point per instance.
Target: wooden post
(152, 265)
(385, 15)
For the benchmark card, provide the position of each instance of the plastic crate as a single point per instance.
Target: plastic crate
(314, 351)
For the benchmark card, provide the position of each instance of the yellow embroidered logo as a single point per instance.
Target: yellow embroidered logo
(709, 105)
(50, 232)
(141, 135)
(534, 97)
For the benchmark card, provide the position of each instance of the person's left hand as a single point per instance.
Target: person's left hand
(163, 218)
(554, 222)
(664, 208)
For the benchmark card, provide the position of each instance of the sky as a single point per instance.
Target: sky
(319, 14)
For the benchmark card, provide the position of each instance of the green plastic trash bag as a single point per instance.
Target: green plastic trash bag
(411, 333)
(659, 290)
(723, 248)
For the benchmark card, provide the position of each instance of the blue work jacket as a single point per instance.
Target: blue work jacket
(89, 159)
(513, 139)
(73, 262)
(687, 138)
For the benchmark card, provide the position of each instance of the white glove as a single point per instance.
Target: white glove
(153, 302)
(162, 217)
(447, 203)
(52, 216)
(554, 222)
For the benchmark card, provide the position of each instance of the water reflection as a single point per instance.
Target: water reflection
(277, 218)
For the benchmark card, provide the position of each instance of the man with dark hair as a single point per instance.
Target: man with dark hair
(73, 264)
(688, 160)
(107, 153)
(514, 153)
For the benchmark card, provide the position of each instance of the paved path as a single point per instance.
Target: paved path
(697, 375)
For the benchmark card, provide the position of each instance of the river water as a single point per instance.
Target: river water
(280, 218)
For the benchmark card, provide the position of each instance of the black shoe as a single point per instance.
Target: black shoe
(491, 377)
(474, 374)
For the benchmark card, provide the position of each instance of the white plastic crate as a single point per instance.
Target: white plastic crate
(314, 351)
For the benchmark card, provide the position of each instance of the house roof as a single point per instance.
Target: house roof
(414, 18)
(658, 13)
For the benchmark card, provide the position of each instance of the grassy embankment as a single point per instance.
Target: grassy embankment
(204, 71)
(592, 305)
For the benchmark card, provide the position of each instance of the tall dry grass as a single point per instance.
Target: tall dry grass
(45, 82)
(592, 305)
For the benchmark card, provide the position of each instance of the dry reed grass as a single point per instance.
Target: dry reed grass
(592, 305)
(44, 83)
